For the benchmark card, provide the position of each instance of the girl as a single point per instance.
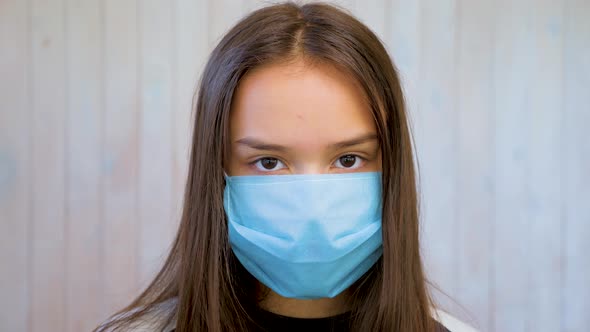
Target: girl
(300, 209)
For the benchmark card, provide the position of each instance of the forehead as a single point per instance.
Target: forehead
(299, 103)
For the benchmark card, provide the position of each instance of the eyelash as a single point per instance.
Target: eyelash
(253, 163)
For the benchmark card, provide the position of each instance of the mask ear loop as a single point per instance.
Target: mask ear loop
(226, 177)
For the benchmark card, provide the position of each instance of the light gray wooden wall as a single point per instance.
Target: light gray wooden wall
(94, 122)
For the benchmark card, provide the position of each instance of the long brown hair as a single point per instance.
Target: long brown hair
(212, 289)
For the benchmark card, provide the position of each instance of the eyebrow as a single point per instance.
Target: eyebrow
(257, 144)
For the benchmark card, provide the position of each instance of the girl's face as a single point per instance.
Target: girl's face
(299, 119)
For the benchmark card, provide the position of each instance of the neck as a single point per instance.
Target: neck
(316, 308)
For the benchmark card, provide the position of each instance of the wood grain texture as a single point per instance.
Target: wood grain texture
(15, 165)
(155, 133)
(544, 176)
(48, 277)
(512, 80)
(403, 41)
(120, 156)
(437, 111)
(190, 25)
(84, 126)
(373, 13)
(474, 193)
(223, 14)
(575, 201)
(252, 5)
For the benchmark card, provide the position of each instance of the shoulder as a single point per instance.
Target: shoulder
(451, 323)
(151, 322)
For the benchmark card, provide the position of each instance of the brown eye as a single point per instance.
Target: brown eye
(268, 163)
(347, 161)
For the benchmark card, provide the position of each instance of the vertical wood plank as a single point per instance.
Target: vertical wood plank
(15, 131)
(403, 41)
(349, 5)
(223, 15)
(544, 180)
(252, 5)
(48, 247)
(155, 156)
(373, 14)
(120, 155)
(436, 144)
(576, 182)
(83, 150)
(513, 67)
(191, 28)
(475, 157)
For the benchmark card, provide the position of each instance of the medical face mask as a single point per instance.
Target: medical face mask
(305, 236)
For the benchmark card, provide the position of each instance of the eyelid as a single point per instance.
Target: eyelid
(362, 160)
(351, 154)
(264, 157)
(253, 164)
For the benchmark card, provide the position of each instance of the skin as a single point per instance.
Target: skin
(297, 118)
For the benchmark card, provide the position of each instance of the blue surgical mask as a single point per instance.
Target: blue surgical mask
(305, 236)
